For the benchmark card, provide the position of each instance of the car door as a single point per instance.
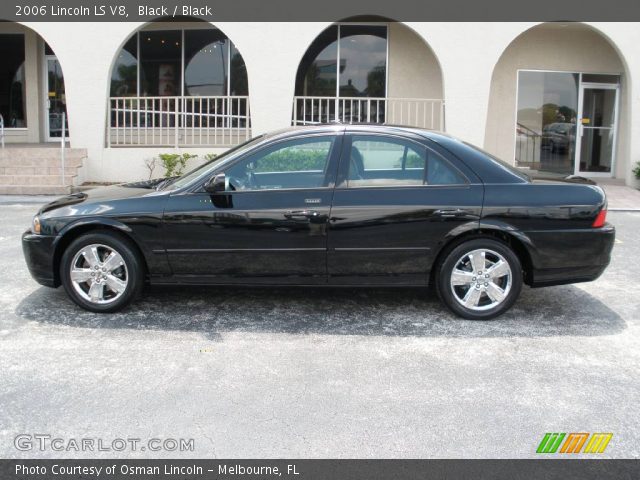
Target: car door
(270, 223)
(395, 201)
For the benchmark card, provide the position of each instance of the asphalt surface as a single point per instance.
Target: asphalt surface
(320, 373)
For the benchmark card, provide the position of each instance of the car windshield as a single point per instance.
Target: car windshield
(197, 172)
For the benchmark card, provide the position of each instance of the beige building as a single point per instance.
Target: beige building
(92, 102)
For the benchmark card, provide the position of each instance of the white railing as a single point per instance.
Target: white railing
(63, 140)
(2, 130)
(178, 121)
(415, 112)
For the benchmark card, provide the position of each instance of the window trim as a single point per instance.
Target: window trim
(342, 182)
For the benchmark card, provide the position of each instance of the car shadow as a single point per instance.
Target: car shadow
(556, 311)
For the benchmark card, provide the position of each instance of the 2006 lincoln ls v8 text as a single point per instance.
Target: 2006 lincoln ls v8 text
(329, 205)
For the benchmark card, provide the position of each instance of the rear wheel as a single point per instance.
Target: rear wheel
(479, 279)
(101, 272)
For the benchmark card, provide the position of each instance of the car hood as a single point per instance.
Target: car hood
(104, 195)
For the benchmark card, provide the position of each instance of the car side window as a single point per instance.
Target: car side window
(385, 161)
(299, 163)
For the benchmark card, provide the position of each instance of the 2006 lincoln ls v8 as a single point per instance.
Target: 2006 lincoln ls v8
(329, 205)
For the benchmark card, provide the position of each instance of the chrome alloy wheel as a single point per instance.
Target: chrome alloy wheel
(481, 280)
(99, 274)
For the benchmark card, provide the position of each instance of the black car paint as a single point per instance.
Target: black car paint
(335, 235)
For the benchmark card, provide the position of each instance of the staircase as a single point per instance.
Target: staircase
(37, 170)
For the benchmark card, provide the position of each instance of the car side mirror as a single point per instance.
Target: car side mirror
(217, 184)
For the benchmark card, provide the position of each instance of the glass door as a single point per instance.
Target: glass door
(595, 146)
(56, 103)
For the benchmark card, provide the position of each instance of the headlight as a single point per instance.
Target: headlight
(35, 225)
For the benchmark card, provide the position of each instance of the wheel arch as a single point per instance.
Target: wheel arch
(515, 239)
(72, 231)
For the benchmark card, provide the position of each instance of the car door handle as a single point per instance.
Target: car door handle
(450, 213)
(292, 214)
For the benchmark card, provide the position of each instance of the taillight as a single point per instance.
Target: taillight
(600, 219)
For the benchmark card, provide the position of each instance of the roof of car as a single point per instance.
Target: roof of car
(373, 127)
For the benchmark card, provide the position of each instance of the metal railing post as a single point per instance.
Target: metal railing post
(176, 115)
(2, 130)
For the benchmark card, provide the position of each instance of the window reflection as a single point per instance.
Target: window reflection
(360, 69)
(206, 62)
(239, 82)
(317, 72)
(363, 61)
(160, 61)
(124, 76)
(12, 81)
(546, 121)
(598, 119)
(155, 63)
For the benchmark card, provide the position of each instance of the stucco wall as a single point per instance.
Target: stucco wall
(414, 71)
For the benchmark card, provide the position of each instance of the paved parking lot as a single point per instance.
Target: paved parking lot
(321, 372)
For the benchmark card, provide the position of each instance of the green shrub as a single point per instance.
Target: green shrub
(174, 163)
(289, 160)
(414, 161)
(636, 171)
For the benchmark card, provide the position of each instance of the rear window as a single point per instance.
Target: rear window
(502, 163)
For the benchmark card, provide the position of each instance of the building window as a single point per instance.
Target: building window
(124, 77)
(345, 61)
(546, 120)
(179, 62)
(566, 122)
(12, 81)
(179, 87)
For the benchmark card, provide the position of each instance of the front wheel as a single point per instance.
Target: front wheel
(101, 272)
(479, 279)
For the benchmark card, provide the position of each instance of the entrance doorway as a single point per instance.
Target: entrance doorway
(566, 123)
(55, 101)
(597, 127)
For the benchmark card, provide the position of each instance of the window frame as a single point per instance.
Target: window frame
(330, 174)
(342, 181)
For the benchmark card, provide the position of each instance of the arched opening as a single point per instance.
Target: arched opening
(32, 93)
(178, 83)
(360, 71)
(558, 95)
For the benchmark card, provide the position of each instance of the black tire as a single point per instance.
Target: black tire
(446, 290)
(132, 271)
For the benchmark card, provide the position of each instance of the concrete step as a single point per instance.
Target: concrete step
(37, 170)
(51, 161)
(28, 180)
(40, 152)
(34, 190)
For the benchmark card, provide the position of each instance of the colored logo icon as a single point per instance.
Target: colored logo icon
(574, 443)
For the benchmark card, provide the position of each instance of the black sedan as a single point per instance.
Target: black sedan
(330, 205)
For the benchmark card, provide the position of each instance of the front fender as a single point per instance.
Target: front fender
(70, 230)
